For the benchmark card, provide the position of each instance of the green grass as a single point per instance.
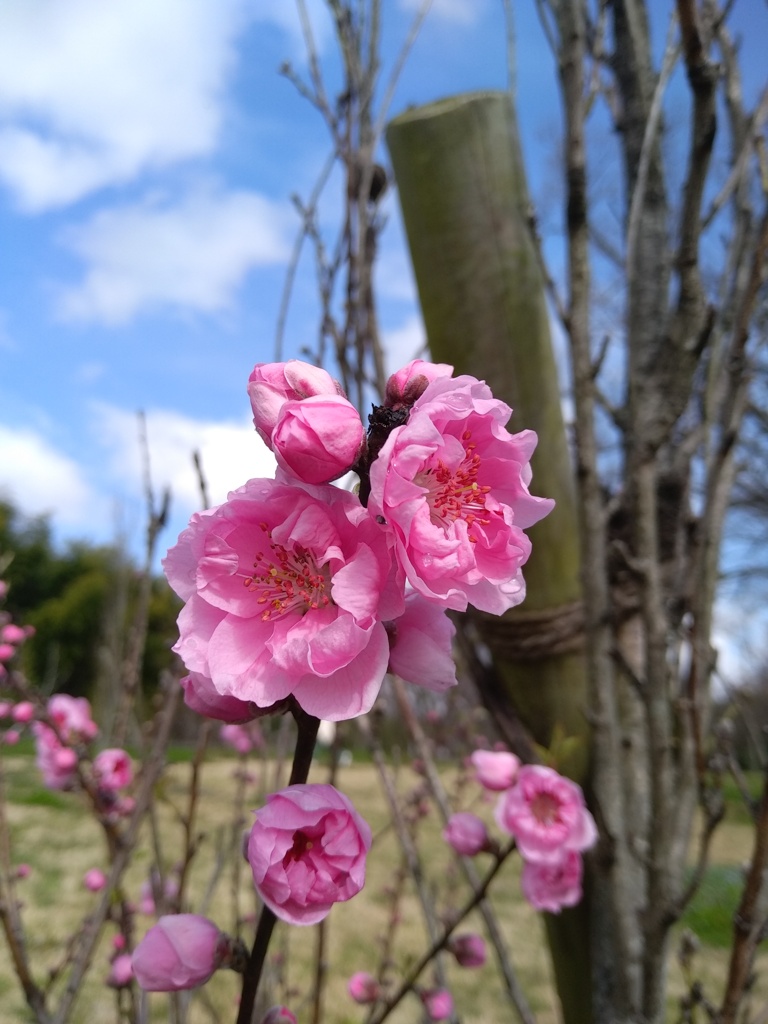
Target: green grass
(710, 913)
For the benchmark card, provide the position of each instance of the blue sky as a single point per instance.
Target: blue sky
(148, 151)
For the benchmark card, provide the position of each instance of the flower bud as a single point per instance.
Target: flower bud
(495, 769)
(467, 834)
(113, 769)
(94, 880)
(181, 951)
(363, 988)
(438, 1003)
(23, 712)
(408, 384)
(120, 971)
(271, 385)
(318, 439)
(469, 949)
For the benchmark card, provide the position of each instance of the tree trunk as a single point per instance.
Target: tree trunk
(464, 199)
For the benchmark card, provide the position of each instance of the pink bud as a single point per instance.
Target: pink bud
(552, 886)
(438, 1003)
(23, 871)
(118, 942)
(363, 988)
(408, 384)
(121, 971)
(181, 951)
(23, 712)
(7, 651)
(237, 737)
(65, 759)
(469, 949)
(94, 880)
(319, 438)
(11, 737)
(272, 384)
(495, 770)
(467, 834)
(279, 1015)
(13, 634)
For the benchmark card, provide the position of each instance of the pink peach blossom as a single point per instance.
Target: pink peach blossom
(318, 439)
(181, 951)
(72, 717)
(10, 737)
(23, 871)
(23, 712)
(363, 988)
(287, 588)
(438, 1003)
(466, 833)
(271, 385)
(94, 880)
(120, 971)
(113, 768)
(13, 634)
(452, 486)
(495, 769)
(57, 763)
(469, 949)
(409, 383)
(546, 814)
(237, 737)
(7, 651)
(420, 645)
(552, 886)
(307, 851)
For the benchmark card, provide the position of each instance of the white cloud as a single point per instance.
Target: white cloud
(93, 93)
(41, 480)
(230, 453)
(461, 12)
(192, 253)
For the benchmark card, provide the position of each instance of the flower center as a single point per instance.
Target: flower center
(287, 581)
(455, 493)
(302, 843)
(545, 808)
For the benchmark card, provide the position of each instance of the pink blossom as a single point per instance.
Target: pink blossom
(466, 833)
(113, 768)
(452, 487)
(318, 439)
(23, 871)
(552, 886)
(94, 880)
(23, 712)
(438, 1003)
(408, 384)
(364, 988)
(546, 814)
(279, 1015)
(120, 971)
(469, 949)
(495, 769)
(307, 851)
(7, 651)
(57, 763)
(72, 717)
(286, 589)
(201, 696)
(237, 737)
(181, 951)
(10, 737)
(271, 385)
(13, 634)
(420, 645)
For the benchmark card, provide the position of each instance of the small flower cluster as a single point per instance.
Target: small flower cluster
(296, 589)
(299, 594)
(546, 815)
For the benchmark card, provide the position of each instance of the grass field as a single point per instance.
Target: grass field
(53, 834)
